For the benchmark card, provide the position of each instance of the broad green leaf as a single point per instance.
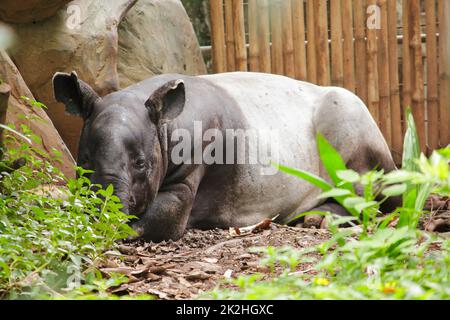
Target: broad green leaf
(398, 176)
(351, 202)
(331, 160)
(411, 146)
(422, 195)
(445, 152)
(395, 190)
(348, 175)
(365, 205)
(311, 178)
(335, 192)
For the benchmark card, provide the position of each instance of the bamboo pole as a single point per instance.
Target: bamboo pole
(418, 107)
(396, 112)
(348, 47)
(444, 72)
(432, 76)
(229, 36)
(372, 71)
(406, 63)
(253, 35)
(337, 60)
(298, 25)
(277, 45)
(264, 36)
(322, 50)
(311, 45)
(239, 34)
(288, 44)
(360, 50)
(217, 35)
(383, 72)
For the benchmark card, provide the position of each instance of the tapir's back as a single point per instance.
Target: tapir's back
(281, 110)
(293, 112)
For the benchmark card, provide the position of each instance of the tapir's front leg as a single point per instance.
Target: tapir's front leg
(167, 216)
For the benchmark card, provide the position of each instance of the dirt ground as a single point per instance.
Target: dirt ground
(202, 260)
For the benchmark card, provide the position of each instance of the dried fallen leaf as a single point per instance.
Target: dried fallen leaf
(122, 270)
(211, 260)
(127, 249)
(264, 224)
(160, 294)
(197, 275)
(438, 225)
(228, 273)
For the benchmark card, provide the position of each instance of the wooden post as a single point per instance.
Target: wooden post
(444, 72)
(253, 35)
(277, 45)
(372, 71)
(311, 45)
(322, 50)
(383, 72)
(417, 81)
(432, 76)
(406, 63)
(217, 36)
(348, 47)
(337, 77)
(229, 36)
(298, 24)
(396, 112)
(239, 35)
(360, 49)
(5, 91)
(288, 45)
(264, 36)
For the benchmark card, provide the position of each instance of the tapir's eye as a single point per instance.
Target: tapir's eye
(140, 163)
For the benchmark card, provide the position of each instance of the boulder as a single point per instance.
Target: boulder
(19, 112)
(155, 37)
(24, 11)
(110, 44)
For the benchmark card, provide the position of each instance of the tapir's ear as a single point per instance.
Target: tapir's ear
(77, 95)
(167, 102)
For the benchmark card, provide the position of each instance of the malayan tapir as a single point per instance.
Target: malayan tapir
(127, 140)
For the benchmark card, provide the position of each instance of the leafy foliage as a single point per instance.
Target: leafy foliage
(50, 246)
(391, 264)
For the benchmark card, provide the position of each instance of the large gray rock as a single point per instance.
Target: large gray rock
(24, 11)
(18, 107)
(110, 44)
(155, 37)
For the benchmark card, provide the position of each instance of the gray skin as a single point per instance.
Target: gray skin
(126, 141)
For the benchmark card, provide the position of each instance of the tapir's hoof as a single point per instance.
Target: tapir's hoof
(313, 221)
(324, 223)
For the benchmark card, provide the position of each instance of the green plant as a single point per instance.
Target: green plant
(391, 264)
(50, 246)
(418, 178)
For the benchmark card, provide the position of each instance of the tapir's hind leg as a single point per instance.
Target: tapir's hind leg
(366, 161)
(380, 159)
(317, 220)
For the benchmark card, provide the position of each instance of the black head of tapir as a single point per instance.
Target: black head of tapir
(120, 139)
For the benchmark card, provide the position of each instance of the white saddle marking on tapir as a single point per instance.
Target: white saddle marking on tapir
(297, 110)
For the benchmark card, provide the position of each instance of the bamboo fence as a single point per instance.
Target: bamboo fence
(392, 54)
